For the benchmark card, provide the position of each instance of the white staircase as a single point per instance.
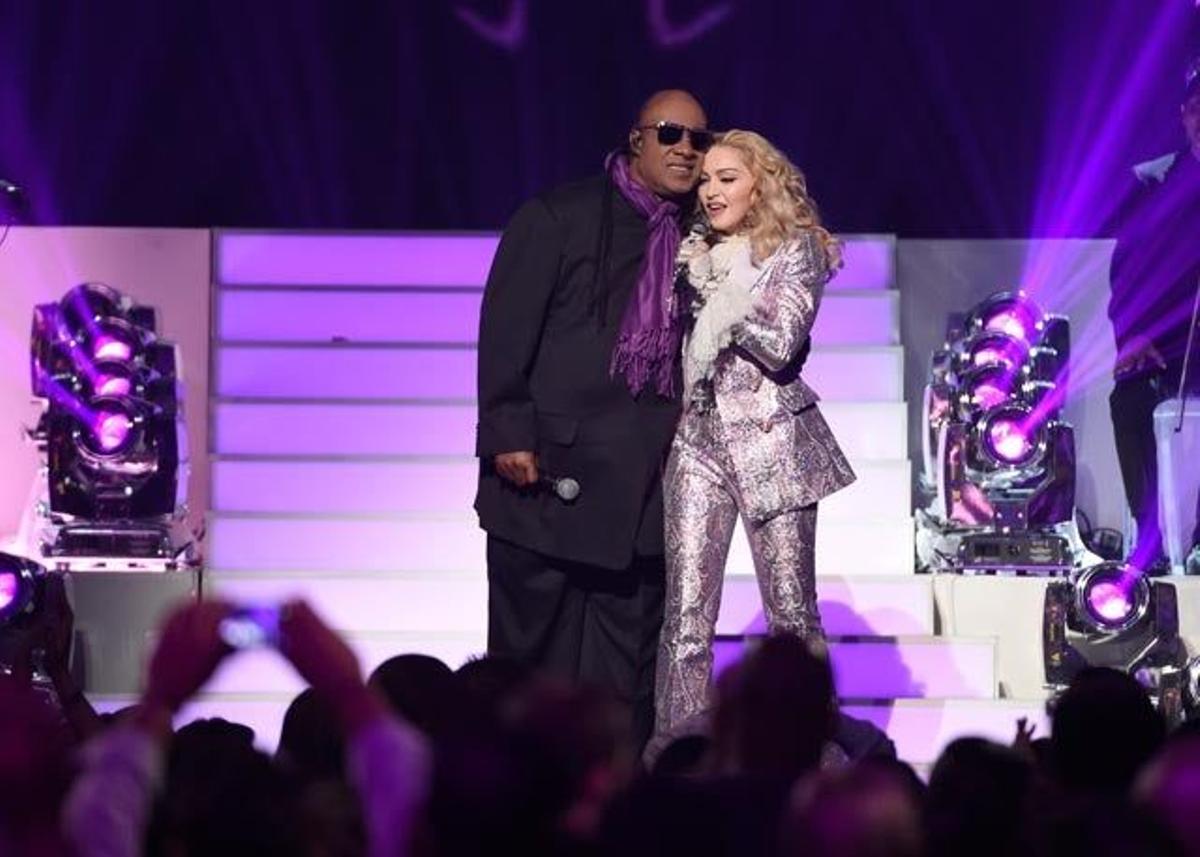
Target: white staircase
(342, 426)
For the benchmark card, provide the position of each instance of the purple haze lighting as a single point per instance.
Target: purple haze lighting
(111, 429)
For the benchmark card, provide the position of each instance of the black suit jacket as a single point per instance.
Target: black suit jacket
(565, 269)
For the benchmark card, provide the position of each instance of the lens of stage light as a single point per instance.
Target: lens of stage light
(111, 348)
(1011, 322)
(1008, 439)
(1112, 596)
(111, 430)
(987, 388)
(10, 588)
(113, 385)
(17, 585)
(1109, 602)
(997, 349)
(1010, 314)
(90, 302)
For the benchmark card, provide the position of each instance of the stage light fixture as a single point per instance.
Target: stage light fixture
(998, 476)
(1112, 615)
(112, 430)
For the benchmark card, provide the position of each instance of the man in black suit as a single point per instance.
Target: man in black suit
(578, 358)
(1155, 268)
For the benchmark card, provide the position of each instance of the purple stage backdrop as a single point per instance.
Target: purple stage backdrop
(937, 118)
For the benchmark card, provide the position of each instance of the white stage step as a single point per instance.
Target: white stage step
(381, 260)
(410, 543)
(867, 317)
(857, 373)
(356, 487)
(449, 602)
(847, 547)
(921, 728)
(864, 429)
(864, 605)
(898, 667)
(879, 668)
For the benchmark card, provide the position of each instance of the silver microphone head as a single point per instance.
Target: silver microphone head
(566, 488)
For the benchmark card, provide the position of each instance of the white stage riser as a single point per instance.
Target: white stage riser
(1010, 610)
(855, 373)
(283, 315)
(920, 728)
(433, 604)
(863, 669)
(415, 544)
(367, 261)
(400, 487)
(866, 430)
(899, 668)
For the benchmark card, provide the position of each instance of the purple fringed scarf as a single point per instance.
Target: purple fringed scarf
(650, 337)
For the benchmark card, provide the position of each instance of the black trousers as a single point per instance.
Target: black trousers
(584, 623)
(1132, 403)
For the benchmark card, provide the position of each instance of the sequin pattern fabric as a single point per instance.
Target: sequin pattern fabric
(762, 451)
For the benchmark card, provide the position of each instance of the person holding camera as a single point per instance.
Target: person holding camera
(388, 762)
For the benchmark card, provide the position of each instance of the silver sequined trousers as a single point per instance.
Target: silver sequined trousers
(702, 504)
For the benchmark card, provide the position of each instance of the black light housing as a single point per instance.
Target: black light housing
(112, 430)
(1110, 615)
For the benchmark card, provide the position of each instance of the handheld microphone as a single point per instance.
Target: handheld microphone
(564, 487)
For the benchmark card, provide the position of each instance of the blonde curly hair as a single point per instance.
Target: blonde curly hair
(781, 209)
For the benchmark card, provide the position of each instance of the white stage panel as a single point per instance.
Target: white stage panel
(845, 547)
(899, 668)
(922, 728)
(414, 259)
(260, 543)
(866, 317)
(457, 602)
(864, 429)
(360, 487)
(282, 315)
(848, 373)
(850, 605)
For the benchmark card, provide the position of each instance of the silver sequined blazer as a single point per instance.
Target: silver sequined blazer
(784, 454)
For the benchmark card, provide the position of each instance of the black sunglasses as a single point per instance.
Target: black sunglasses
(670, 133)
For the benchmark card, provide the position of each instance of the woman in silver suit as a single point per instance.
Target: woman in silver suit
(751, 442)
